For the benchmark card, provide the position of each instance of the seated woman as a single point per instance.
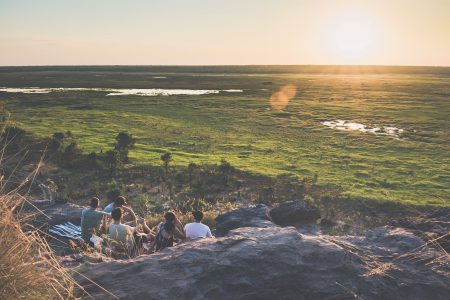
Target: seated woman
(167, 231)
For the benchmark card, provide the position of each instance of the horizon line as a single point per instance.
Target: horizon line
(223, 65)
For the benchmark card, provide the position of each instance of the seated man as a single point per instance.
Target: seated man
(91, 219)
(197, 229)
(121, 234)
(128, 215)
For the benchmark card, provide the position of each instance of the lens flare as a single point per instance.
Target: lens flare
(280, 100)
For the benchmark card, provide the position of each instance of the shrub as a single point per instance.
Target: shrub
(141, 204)
(115, 189)
(124, 142)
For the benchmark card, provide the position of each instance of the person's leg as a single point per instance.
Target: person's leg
(145, 228)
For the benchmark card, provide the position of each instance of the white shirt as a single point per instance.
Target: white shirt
(197, 230)
(122, 234)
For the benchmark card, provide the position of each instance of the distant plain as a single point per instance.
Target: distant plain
(412, 167)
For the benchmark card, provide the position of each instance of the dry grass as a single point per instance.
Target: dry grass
(28, 268)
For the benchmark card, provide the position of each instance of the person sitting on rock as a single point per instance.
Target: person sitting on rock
(166, 232)
(124, 238)
(91, 220)
(196, 229)
(128, 217)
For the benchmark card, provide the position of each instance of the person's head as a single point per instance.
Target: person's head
(170, 217)
(198, 215)
(95, 202)
(170, 221)
(116, 214)
(120, 201)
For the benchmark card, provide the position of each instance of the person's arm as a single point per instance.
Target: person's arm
(209, 234)
(178, 224)
(131, 228)
(179, 233)
(133, 216)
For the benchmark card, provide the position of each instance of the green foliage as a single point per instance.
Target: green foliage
(166, 159)
(71, 154)
(241, 128)
(13, 137)
(112, 160)
(141, 204)
(91, 160)
(124, 142)
(114, 189)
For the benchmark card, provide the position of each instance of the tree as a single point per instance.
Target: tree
(124, 142)
(57, 141)
(70, 155)
(191, 169)
(226, 169)
(91, 160)
(14, 137)
(112, 160)
(166, 159)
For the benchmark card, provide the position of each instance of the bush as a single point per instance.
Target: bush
(115, 189)
(140, 204)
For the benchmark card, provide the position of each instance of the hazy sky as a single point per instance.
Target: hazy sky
(70, 32)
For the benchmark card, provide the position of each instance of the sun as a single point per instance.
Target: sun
(353, 39)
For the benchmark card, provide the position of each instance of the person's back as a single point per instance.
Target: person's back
(196, 229)
(121, 234)
(91, 219)
(166, 232)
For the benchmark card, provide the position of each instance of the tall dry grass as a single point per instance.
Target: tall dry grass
(28, 268)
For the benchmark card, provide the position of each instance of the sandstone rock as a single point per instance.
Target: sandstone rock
(280, 263)
(433, 225)
(58, 214)
(252, 216)
(294, 212)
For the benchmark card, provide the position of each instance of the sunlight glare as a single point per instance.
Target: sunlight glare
(353, 38)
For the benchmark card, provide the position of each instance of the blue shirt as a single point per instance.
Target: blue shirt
(109, 208)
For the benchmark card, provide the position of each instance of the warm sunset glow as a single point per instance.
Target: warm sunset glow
(353, 38)
(157, 32)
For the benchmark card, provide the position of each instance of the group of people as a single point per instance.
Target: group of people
(126, 233)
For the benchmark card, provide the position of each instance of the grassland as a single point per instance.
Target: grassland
(244, 130)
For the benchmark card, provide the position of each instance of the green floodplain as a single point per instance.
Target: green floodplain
(401, 154)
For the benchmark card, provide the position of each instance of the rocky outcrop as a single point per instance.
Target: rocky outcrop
(433, 226)
(272, 262)
(295, 212)
(57, 214)
(252, 216)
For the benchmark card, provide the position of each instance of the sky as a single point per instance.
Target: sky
(224, 32)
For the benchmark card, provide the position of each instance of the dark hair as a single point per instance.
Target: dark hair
(116, 214)
(95, 202)
(198, 215)
(120, 201)
(170, 218)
